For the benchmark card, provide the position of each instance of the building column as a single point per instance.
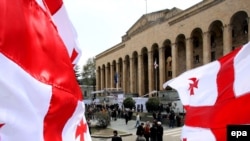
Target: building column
(206, 48)
(109, 77)
(124, 72)
(140, 76)
(151, 74)
(162, 67)
(118, 75)
(174, 60)
(112, 76)
(97, 79)
(189, 53)
(227, 39)
(102, 78)
(132, 76)
(106, 77)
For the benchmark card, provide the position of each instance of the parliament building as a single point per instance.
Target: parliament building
(163, 44)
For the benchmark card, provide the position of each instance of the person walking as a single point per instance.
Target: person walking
(138, 118)
(115, 136)
(126, 116)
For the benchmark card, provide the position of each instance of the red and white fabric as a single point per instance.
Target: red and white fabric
(215, 95)
(65, 28)
(40, 99)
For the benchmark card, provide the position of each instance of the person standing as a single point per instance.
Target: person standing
(154, 115)
(171, 119)
(140, 130)
(115, 136)
(178, 120)
(159, 131)
(126, 116)
(147, 131)
(159, 116)
(140, 133)
(153, 131)
(89, 125)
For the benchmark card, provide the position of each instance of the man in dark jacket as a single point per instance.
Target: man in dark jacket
(116, 137)
(153, 131)
(140, 130)
(159, 131)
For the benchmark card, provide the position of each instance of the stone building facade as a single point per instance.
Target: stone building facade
(176, 40)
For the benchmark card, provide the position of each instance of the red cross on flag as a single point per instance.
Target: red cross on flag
(40, 99)
(65, 28)
(215, 95)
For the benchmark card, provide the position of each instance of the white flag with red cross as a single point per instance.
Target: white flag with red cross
(40, 99)
(215, 95)
(65, 28)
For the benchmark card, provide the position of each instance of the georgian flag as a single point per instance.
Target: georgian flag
(64, 27)
(40, 99)
(215, 95)
(155, 64)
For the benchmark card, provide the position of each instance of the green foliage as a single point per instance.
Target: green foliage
(103, 119)
(152, 104)
(78, 74)
(89, 72)
(129, 103)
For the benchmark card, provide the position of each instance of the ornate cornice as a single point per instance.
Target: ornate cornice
(196, 9)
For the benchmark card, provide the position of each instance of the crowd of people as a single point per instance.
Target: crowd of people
(153, 131)
(147, 130)
(114, 111)
(150, 131)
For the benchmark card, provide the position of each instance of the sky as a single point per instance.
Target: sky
(100, 24)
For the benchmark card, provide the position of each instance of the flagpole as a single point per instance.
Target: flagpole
(146, 6)
(117, 79)
(155, 66)
(156, 81)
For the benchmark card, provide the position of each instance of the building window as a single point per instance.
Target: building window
(196, 42)
(196, 59)
(212, 55)
(213, 45)
(245, 27)
(169, 73)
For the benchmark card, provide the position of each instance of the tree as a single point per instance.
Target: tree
(129, 103)
(89, 73)
(78, 74)
(152, 104)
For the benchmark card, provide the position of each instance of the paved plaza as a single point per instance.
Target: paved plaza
(170, 134)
